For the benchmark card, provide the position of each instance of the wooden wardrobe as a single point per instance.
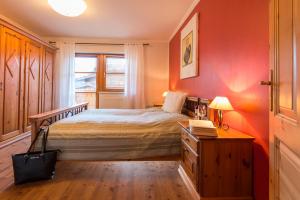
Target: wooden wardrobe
(26, 79)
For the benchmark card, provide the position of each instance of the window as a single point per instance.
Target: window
(85, 74)
(114, 73)
(85, 79)
(98, 73)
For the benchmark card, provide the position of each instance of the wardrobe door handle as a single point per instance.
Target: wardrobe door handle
(1, 86)
(186, 150)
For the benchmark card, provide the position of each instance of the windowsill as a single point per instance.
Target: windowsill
(85, 92)
(102, 92)
(110, 92)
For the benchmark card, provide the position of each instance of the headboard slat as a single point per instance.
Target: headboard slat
(192, 102)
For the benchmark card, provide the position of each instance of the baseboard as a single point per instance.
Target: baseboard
(188, 183)
(14, 139)
(226, 198)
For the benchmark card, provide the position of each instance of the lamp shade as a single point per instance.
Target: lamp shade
(221, 103)
(165, 94)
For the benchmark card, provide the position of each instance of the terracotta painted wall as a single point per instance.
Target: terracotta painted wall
(233, 58)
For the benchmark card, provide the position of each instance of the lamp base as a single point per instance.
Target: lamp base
(220, 118)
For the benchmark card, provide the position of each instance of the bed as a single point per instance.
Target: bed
(113, 134)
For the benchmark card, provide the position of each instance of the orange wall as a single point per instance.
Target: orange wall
(233, 58)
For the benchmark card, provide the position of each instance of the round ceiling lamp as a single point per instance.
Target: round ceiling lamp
(69, 8)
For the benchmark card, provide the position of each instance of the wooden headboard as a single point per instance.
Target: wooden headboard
(192, 102)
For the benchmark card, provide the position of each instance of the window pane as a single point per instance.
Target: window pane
(86, 97)
(85, 81)
(115, 81)
(85, 64)
(115, 65)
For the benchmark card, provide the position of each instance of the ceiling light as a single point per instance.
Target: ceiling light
(69, 8)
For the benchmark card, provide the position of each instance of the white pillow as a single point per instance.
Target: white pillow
(174, 101)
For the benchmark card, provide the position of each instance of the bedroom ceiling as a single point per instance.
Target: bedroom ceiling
(120, 19)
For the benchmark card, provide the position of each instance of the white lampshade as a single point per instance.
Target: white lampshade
(165, 94)
(69, 8)
(221, 103)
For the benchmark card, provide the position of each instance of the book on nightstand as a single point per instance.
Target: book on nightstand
(203, 128)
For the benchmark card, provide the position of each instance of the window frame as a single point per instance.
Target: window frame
(103, 72)
(96, 72)
(100, 74)
(97, 69)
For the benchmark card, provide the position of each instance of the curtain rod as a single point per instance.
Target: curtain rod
(95, 43)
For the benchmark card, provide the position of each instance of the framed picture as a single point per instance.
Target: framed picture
(189, 49)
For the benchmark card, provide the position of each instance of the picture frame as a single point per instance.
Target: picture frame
(189, 49)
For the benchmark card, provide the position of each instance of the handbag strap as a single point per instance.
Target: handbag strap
(42, 129)
(45, 138)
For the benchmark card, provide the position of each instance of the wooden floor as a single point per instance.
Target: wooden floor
(133, 180)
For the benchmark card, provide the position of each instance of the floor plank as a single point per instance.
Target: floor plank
(105, 180)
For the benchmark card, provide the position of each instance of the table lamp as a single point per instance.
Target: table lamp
(165, 94)
(220, 104)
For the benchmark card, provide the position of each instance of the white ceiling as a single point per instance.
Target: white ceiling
(120, 19)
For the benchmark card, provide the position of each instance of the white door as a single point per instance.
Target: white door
(285, 100)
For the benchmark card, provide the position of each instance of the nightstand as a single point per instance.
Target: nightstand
(217, 167)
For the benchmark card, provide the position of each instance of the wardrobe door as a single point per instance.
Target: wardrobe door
(48, 65)
(33, 64)
(11, 83)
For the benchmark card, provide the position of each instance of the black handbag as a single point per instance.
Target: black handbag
(35, 165)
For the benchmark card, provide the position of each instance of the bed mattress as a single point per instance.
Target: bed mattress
(116, 134)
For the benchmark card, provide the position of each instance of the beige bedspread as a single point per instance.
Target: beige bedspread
(120, 123)
(116, 134)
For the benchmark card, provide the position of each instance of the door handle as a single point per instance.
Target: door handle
(1, 86)
(267, 83)
(271, 84)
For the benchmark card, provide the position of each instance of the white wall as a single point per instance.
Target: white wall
(156, 70)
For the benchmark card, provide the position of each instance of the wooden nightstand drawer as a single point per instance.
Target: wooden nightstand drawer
(217, 167)
(189, 140)
(190, 163)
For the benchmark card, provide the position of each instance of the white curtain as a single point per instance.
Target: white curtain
(134, 84)
(64, 74)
